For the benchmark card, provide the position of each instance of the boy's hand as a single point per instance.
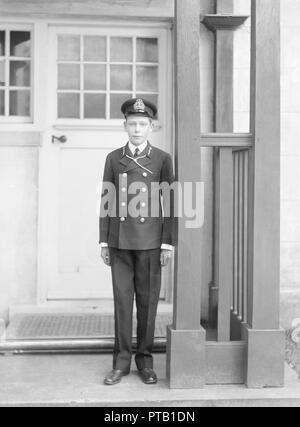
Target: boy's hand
(105, 255)
(165, 257)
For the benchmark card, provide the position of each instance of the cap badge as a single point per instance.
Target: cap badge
(139, 106)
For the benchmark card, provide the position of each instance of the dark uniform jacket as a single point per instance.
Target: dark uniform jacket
(153, 221)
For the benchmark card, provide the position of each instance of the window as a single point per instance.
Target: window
(97, 73)
(15, 75)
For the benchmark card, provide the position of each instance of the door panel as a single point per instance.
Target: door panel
(80, 271)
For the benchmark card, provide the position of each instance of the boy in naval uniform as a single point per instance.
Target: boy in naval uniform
(136, 246)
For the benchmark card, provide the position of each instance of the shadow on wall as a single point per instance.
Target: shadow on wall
(4, 315)
(293, 346)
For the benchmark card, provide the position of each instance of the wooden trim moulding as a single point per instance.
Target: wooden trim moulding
(144, 9)
(234, 140)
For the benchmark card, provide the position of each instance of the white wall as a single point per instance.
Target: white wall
(18, 225)
(290, 159)
(290, 140)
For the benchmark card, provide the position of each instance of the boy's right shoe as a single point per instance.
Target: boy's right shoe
(114, 377)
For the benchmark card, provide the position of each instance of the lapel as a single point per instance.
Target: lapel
(130, 164)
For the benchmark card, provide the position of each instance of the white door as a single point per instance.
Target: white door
(91, 72)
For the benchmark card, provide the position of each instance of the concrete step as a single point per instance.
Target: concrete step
(77, 380)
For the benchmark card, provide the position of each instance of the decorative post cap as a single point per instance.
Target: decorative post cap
(229, 22)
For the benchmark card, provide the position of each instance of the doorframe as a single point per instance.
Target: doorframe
(42, 61)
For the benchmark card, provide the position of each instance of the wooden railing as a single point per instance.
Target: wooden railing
(240, 234)
(229, 290)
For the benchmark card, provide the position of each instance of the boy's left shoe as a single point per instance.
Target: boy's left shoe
(148, 376)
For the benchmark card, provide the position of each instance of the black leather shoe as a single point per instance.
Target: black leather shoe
(148, 376)
(114, 377)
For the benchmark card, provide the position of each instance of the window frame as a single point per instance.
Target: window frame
(159, 32)
(8, 27)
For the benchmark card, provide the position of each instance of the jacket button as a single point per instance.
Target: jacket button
(143, 205)
(123, 204)
(145, 174)
(144, 190)
(122, 219)
(124, 189)
(124, 175)
(142, 219)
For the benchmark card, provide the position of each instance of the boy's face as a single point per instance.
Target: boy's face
(138, 129)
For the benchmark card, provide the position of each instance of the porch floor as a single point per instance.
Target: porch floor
(77, 380)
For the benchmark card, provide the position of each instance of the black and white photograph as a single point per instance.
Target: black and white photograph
(149, 206)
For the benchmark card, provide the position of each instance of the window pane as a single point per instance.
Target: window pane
(68, 106)
(2, 43)
(95, 48)
(2, 98)
(116, 101)
(151, 98)
(69, 76)
(19, 103)
(147, 50)
(95, 77)
(121, 77)
(147, 79)
(20, 43)
(19, 73)
(121, 49)
(94, 106)
(2, 73)
(68, 48)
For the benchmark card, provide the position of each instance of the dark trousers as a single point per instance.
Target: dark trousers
(135, 272)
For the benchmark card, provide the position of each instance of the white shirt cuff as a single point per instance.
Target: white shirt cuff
(167, 247)
(163, 246)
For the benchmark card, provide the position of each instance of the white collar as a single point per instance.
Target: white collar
(141, 147)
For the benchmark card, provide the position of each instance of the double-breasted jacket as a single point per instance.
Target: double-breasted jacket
(137, 204)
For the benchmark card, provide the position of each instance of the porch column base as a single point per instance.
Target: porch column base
(186, 358)
(265, 357)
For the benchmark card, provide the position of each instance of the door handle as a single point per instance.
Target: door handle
(62, 139)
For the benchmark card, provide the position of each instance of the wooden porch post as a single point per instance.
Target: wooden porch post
(221, 292)
(265, 360)
(186, 338)
(224, 71)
